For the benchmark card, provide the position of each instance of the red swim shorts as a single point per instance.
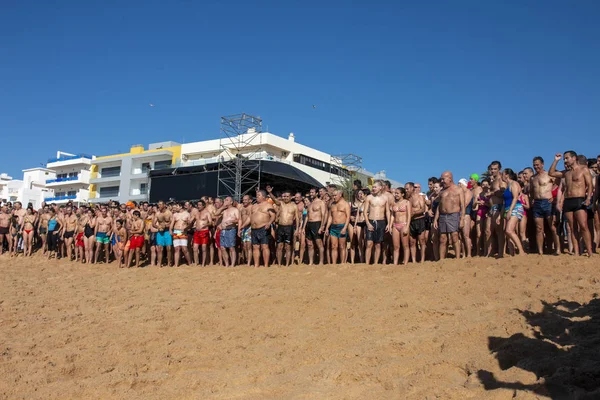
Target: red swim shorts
(79, 240)
(201, 237)
(136, 242)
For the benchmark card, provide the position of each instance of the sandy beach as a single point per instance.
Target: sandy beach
(520, 328)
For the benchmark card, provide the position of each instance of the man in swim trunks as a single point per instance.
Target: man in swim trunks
(288, 221)
(376, 211)
(162, 222)
(136, 238)
(261, 218)
(337, 227)
(179, 225)
(578, 196)
(246, 237)
(70, 231)
(4, 226)
(315, 227)
(102, 232)
(541, 191)
(202, 222)
(231, 224)
(418, 224)
(449, 216)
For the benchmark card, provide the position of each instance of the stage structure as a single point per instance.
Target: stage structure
(343, 168)
(240, 144)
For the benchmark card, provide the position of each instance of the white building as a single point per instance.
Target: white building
(32, 189)
(72, 178)
(323, 167)
(123, 177)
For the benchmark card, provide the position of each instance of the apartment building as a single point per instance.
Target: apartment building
(124, 176)
(72, 178)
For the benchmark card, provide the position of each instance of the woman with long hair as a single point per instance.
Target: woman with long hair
(359, 227)
(482, 207)
(27, 231)
(512, 209)
(401, 212)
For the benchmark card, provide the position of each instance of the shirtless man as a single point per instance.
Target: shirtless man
(245, 233)
(449, 216)
(261, 218)
(315, 227)
(376, 211)
(178, 229)
(496, 202)
(337, 227)
(231, 224)
(136, 238)
(288, 225)
(540, 188)
(43, 227)
(578, 196)
(212, 205)
(418, 225)
(70, 231)
(202, 223)
(162, 222)
(4, 226)
(102, 232)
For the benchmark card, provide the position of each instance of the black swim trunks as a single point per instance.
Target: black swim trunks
(259, 236)
(376, 235)
(417, 226)
(3, 230)
(312, 230)
(69, 234)
(573, 204)
(285, 234)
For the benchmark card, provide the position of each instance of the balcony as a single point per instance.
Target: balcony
(60, 198)
(69, 161)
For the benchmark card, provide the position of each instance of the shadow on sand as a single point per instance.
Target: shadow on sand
(564, 353)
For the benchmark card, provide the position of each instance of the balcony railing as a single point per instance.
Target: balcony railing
(67, 179)
(59, 198)
(67, 158)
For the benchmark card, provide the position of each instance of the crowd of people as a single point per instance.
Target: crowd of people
(503, 212)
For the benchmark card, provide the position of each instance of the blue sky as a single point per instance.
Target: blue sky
(415, 88)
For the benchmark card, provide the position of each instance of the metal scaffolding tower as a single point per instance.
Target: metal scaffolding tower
(342, 168)
(239, 142)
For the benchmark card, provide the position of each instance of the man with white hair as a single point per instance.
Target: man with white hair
(449, 216)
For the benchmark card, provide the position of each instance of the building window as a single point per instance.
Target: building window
(72, 193)
(162, 164)
(145, 167)
(143, 188)
(59, 194)
(73, 174)
(110, 171)
(109, 191)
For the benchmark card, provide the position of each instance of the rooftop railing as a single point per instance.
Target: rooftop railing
(66, 158)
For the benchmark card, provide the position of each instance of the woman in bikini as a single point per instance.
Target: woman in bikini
(359, 227)
(27, 231)
(306, 201)
(435, 235)
(351, 230)
(481, 206)
(13, 239)
(401, 213)
(524, 199)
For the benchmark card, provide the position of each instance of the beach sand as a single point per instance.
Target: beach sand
(520, 328)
